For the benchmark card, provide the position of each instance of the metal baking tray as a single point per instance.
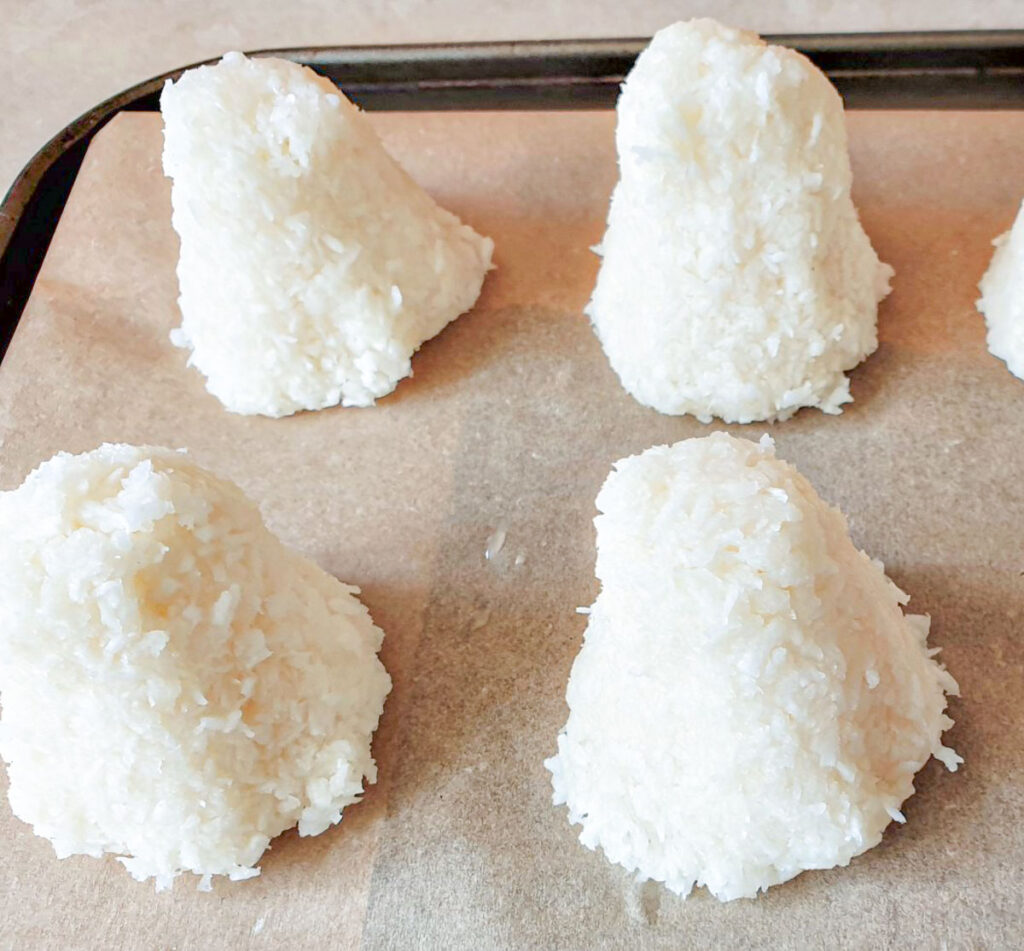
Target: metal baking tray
(926, 486)
(931, 70)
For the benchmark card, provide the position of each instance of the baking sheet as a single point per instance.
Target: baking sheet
(513, 419)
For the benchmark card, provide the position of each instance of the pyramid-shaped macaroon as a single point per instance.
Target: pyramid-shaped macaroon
(736, 280)
(750, 700)
(1002, 298)
(312, 266)
(177, 686)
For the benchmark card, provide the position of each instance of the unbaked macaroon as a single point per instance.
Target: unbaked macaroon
(750, 700)
(177, 686)
(1002, 298)
(736, 280)
(312, 266)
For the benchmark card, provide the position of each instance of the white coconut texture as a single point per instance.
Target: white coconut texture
(736, 279)
(178, 687)
(750, 701)
(1002, 298)
(312, 266)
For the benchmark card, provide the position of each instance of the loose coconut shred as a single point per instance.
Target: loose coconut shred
(178, 687)
(750, 700)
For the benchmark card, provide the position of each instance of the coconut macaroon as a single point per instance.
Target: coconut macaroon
(312, 266)
(1002, 298)
(750, 700)
(736, 280)
(178, 687)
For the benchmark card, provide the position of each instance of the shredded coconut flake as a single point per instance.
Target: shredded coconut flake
(495, 542)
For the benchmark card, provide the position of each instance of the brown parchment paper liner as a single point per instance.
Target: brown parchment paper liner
(514, 418)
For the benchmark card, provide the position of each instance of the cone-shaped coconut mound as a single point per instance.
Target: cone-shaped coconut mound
(178, 687)
(736, 279)
(312, 267)
(750, 700)
(1002, 298)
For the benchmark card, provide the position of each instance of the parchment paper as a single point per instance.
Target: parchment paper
(513, 419)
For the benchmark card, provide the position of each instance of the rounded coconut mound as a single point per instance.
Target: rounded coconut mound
(1002, 298)
(178, 687)
(736, 279)
(750, 700)
(312, 266)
